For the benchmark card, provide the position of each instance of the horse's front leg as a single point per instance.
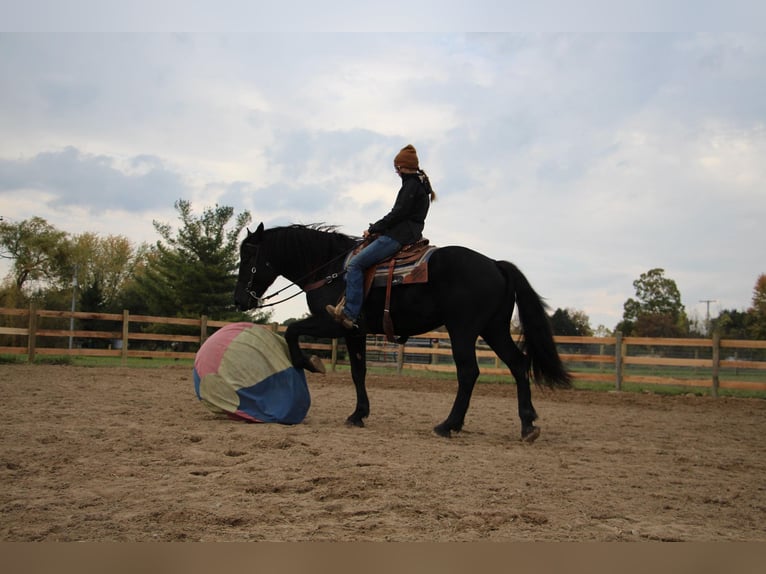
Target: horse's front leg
(299, 359)
(357, 354)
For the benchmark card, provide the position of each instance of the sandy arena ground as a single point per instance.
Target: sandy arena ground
(111, 454)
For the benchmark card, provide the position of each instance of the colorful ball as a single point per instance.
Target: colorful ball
(244, 370)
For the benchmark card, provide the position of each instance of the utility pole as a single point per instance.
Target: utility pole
(707, 313)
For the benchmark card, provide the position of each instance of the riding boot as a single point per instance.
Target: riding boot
(342, 318)
(336, 311)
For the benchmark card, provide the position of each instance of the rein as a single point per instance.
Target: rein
(310, 287)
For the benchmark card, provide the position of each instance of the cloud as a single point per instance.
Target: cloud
(300, 201)
(587, 159)
(73, 178)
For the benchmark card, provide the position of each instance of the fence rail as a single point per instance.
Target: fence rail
(712, 363)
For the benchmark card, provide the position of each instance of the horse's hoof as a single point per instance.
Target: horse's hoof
(443, 430)
(317, 366)
(530, 435)
(352, 422)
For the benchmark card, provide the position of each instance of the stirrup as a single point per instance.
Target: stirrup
(348, 323)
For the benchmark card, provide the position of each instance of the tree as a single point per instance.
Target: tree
(37, 249)
(192, 271)
(47, 260)
(657, 325)
(750, 324)
(603, 331)
(731, 324)
(757, 312)
(571, 322)
(657, 310)
(104, 267)
(759, 294)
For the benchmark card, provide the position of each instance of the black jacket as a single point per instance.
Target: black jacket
(406, 220)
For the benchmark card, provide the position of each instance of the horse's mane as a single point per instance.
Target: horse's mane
(311, 245)
(323, 227)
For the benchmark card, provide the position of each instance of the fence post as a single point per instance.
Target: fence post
(399, 359)
(618, 364)
(334, 354)
(32, 336)
(202, 329)
(125, 331)
(716, 362)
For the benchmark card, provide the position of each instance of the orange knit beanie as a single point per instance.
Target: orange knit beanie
(407, 158)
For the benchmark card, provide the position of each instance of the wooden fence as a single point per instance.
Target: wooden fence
(712, 363)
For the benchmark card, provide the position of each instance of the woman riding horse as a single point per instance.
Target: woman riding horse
(403, 225)
(468, 293)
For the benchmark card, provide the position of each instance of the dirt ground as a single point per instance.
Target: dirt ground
(111, 454)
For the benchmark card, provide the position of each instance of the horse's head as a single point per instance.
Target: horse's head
(255, 272)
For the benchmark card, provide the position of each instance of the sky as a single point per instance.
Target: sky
(585, 157)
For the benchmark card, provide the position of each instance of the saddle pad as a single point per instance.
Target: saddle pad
(407, 269)
(405, 272)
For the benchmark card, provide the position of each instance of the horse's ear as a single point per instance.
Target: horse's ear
(258, 232)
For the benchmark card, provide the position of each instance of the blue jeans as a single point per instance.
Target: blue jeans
(381, 248)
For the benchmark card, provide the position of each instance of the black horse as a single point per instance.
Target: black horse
(470, 294)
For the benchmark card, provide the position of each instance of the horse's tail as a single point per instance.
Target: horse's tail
(544, 362)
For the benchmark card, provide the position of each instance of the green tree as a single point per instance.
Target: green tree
(757, 311)
(750, 324)
(731, 324)
(657, 310)
(104, 266)
(37, 250)
(192, 271)
(46, 261)
(603, 331)
(571, 322)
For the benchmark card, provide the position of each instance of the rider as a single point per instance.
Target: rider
(403, 225)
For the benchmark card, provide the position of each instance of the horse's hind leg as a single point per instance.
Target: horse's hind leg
(464, 354)
(500, 341)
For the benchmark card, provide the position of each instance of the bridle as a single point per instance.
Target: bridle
(260, 301)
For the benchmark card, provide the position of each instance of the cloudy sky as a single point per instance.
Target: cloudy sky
(585, 158)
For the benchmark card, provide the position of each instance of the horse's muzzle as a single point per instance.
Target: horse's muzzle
(247, 301)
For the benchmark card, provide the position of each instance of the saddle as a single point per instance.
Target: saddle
(407, 266)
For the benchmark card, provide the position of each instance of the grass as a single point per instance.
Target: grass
(580, 384)
(132, 362)
(600, 386)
